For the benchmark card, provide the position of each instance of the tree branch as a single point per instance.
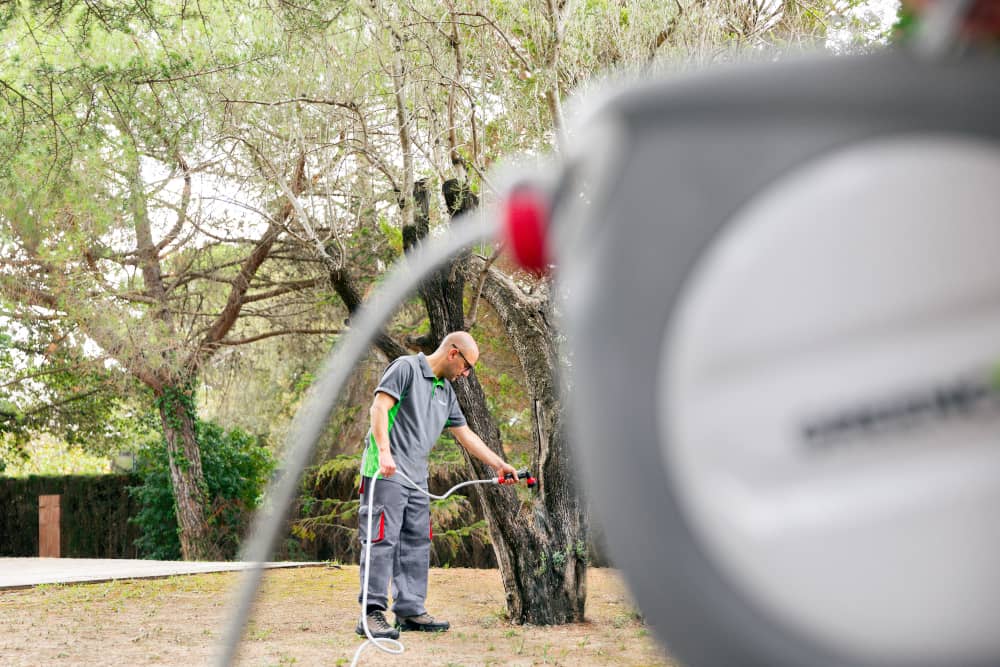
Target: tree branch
(8, 416)
(185, 202)
(510, 44)
(272, 334)
(284, 289)
(195, 75)
(350, 106)
(18, 291)
(224, 322)
(348, 293)
(474, 309)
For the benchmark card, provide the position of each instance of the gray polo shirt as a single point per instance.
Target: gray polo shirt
(425, 406)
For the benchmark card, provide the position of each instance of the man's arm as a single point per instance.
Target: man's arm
(379, 416)
(476, 447)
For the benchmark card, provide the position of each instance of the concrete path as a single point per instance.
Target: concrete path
(27, 572)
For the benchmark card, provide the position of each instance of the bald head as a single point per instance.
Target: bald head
(455, 356)
(463, 340)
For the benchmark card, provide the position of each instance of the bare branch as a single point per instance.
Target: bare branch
(287, 288)
(483, 274)
(182, 209)
(350, 106)
(510, 44)
(668, 32)
(283, 332)
(195, 75)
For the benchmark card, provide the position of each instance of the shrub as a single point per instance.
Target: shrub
(236, 467)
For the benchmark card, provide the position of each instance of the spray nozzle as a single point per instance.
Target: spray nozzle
(526, 475)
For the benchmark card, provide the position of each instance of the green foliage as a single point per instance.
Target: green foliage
(581, 552)
(558, 560)
(175, 402)
(500, 374)
(394, 234)
(45, 455)
(236, 468)
(543, 564)
(324, 513)
(446, 451)
(905, 26)
(325, 521)
(52, 390)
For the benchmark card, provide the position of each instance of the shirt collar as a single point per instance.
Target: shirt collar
(425, 367)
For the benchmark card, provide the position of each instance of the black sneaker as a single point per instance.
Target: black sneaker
(378, 626)
(423, 623)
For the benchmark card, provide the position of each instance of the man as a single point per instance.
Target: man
(413, 403)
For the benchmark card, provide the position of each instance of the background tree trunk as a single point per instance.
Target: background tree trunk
(176, 408)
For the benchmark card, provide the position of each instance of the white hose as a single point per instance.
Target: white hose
(393, 646)
(385, 644)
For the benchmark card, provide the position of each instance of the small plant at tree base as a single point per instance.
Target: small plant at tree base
(236, 466)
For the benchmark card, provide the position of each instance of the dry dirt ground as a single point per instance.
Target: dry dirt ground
(306, 617)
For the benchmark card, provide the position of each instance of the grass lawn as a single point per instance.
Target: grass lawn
(306, 617)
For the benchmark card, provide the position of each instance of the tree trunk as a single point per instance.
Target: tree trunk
(348, 293)
(541, 546)
(544, 553)
(177, 416)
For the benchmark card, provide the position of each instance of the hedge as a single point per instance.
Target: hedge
(95, 512)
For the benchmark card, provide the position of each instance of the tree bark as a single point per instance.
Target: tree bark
(176, 407)
(543, 555)
(348, 293)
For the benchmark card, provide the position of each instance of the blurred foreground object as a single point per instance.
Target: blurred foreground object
(782, 312)
(979, 20)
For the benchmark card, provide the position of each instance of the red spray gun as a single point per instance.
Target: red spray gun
(524, 474)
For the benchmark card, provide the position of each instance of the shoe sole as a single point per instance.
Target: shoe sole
(421, 628)
(361, 633)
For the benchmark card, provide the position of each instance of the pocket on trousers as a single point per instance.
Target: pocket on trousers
(378, 522)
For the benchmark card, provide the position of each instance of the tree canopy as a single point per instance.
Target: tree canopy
(185, 184)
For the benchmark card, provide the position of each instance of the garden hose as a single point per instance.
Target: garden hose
(386, 644)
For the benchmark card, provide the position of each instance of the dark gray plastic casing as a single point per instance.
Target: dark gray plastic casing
(665, 167)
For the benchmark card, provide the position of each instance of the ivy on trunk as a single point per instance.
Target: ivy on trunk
(177, 415)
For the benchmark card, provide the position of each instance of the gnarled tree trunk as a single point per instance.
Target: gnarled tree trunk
(543, 551)
(542, 546)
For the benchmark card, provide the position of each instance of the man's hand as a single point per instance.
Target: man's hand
(505, 469)
(386, 465)
(475, 446)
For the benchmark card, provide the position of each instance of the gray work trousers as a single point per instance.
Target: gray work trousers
(401, 546)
